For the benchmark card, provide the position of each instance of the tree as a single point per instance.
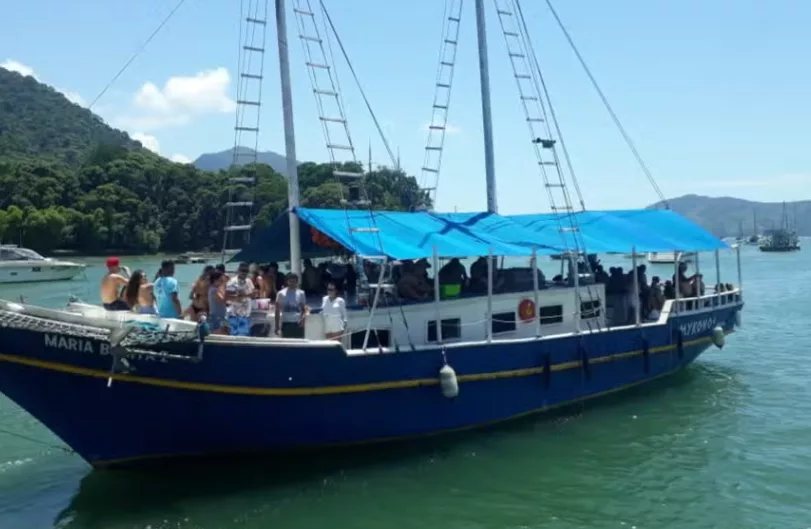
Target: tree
(70, 181)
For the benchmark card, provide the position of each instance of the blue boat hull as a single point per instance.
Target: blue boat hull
(242, 398)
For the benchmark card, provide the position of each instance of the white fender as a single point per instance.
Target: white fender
(718, 337)
(448, 382)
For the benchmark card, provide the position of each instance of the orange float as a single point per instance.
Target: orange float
(526, 310)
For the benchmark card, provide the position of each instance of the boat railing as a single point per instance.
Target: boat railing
(707, 301)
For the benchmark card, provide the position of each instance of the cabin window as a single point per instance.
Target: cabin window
(590, 309)
(377, 338)
(503, 322)
(551, 314)
(451, 329)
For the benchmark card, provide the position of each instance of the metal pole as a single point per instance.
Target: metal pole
(289, 137)
(577, 301)
(717, 276)
(740, 275)
(637, 316)
(535, 293)
(435, 264)
(698, 279)
(381, 279)
(676, 282)
(487, 120)
(489, 294)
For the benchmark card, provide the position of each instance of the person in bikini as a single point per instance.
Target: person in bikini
(199, 295)
(112, 285)
(139, 294)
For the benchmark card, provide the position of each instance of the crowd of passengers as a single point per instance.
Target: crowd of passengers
(227, 300)
(619, 290)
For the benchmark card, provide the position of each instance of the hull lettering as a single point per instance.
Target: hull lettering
(78, 345)
(694, 328)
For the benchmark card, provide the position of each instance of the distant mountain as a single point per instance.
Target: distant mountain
(724, 216)
(222, 160)
(37, 121)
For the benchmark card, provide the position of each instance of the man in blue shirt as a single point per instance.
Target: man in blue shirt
(166, 291)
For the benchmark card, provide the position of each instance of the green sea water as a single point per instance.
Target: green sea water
(725, 444)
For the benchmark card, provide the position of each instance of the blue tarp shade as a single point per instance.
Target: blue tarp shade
(413, 235)
(646, 230)
(405, 235)
(273, 244)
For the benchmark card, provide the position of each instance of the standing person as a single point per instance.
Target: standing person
(291, 309)
(239, 292)
(333, 308)
(199, 295)
(139, 294)
(217, 307)
(112, 284)
(166, 291)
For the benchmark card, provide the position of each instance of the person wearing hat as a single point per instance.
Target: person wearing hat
(112, 284)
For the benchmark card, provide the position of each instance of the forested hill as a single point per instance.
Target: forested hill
(69, 181)
(728, 216)
(38, 121)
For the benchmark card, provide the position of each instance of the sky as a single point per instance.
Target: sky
(714, 94)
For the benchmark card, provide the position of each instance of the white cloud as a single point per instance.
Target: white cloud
(129, 122)
(15, 66)
(776, 181)
(25, 70)
(148, 141)
(450, 128)
(180, 158)
(206, 91)
(181, 99)
(74, 97)
(151, 142)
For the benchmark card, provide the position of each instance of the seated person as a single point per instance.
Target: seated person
(452, 277)
(411, 285)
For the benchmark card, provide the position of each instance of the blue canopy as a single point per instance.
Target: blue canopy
(402, 235)
(620, 231)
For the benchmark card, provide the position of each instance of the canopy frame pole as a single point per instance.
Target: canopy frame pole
(740, 273)
(637, 301)
(435, 264)
(676, 264)
(489, 295)
(717, 276)
(573, 266)
(380, 280)
(698, 281)
(535, 293)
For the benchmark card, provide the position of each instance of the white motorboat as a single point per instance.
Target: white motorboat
(21, 265)
(670, 257)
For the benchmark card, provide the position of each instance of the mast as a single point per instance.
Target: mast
(487, 120)
(289, 137)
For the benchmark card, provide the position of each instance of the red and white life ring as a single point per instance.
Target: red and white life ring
(526, 310)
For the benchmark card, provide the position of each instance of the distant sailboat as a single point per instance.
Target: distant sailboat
(754, 238)
(781, 239)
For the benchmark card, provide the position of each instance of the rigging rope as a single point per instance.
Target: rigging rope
(608, 107)
(544, 100)
(137, 53)
(357, 82)
(540, 82)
